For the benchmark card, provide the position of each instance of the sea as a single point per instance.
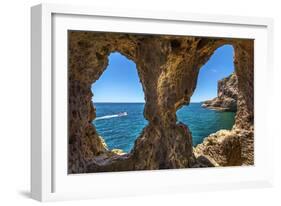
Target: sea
(120, 124)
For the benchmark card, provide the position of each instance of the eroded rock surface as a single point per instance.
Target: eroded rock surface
(168, 67)
(227, 148)
(226, 99)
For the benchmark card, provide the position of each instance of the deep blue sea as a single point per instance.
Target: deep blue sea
(121, 131)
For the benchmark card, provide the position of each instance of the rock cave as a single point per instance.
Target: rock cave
(168, 67)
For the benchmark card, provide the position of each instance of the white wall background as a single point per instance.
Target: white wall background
(15, 101)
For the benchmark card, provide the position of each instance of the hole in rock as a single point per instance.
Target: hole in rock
(203, 121)
(119, 102)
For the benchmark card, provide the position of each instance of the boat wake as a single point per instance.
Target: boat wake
(112, 116)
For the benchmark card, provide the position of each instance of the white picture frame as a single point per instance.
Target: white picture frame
(49, 178)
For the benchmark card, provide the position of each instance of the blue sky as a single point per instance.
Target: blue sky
(220, 65)
(120, 81)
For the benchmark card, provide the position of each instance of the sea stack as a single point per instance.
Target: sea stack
(227, 95)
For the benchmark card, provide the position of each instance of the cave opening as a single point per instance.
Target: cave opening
(202, 120)
(168, 67)
(118, 99)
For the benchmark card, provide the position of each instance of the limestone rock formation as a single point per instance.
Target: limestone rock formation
(168, 67)
(227, 95)
(227, 148)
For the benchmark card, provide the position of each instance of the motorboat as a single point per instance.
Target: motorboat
(122, 114)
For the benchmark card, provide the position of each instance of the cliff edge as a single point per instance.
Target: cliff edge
(227, 95)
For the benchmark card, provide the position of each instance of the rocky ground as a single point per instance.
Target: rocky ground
(227, 148)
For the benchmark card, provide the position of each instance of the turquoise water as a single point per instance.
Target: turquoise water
(120, 131)
(202, 121)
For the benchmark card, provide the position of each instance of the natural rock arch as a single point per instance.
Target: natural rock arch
(168, 78)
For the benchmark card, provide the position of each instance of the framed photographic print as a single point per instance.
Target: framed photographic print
(135, 102)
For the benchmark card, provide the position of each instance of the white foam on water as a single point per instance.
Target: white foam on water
(110, 116)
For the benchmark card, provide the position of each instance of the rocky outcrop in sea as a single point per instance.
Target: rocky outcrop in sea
(227, 95)
(226, 147)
